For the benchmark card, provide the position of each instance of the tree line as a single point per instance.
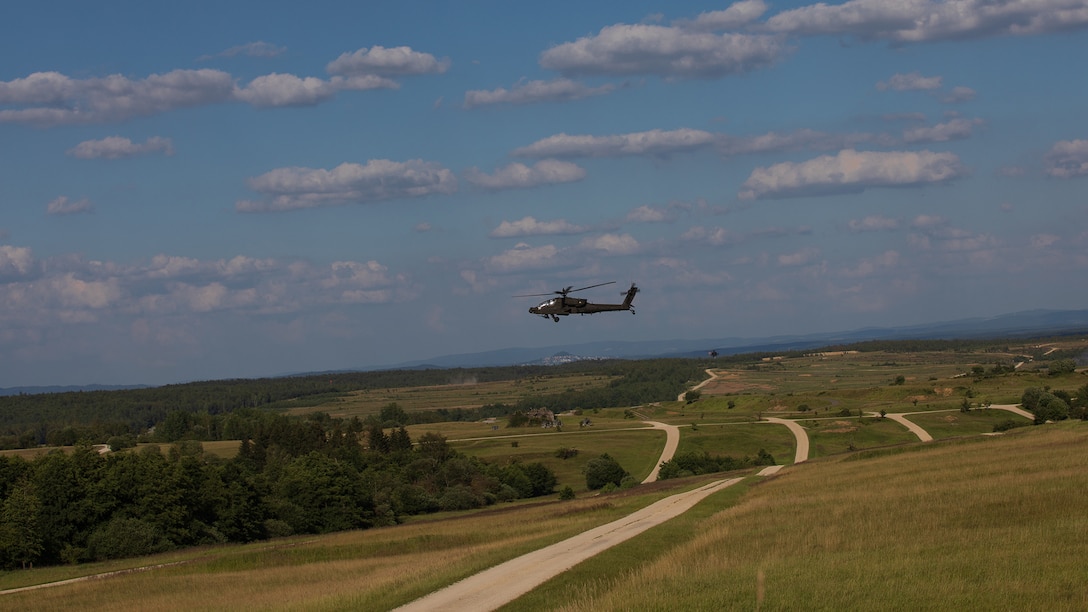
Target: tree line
(203, 410)
(291, 476)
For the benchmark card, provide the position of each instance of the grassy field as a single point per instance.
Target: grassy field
(359, 570)
(637, 450)
(457, 394)
(876, 520)
(972, 523)
(993, 523)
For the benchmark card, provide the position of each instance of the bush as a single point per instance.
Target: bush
(566, 493)
(566, 453)
(459, 497)
(126, 537)
(1008, 424)
(603, 470)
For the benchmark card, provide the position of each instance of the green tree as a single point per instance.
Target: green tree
(20, 535)
(126, 537)
(393, 415)
(1062, 366)
(603, 470)
(399, 440)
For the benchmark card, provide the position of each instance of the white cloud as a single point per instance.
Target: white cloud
(74, 292)
(798, 258)
(647, 214)
(662, 143)
(714, 236)
(873, 223)
(1067, 159)
(927, 221)
(1042, 241)
(933, 233)
(956, 129)
(63, 206)
(285, 90)
(917, 21)
(959, 94)
(117, 147)
(738, 14)
(520, 176)
(797, 140)
(910, 82)
(653, 142)
(51, 98)
(70, 290)
(378, 179)
(531, 92)
(529, 226)
(15, 261)
(851, 172)
(253, 49)
(523, 257)
(871, 266)
(668, 52)
(612, 244)
(382, 61)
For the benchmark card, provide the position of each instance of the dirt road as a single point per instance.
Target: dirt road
(672, 440)
(798, 433)
(710, 373)
(503, 583)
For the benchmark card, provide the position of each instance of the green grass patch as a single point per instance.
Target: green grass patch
(738, 440)
(952, 424)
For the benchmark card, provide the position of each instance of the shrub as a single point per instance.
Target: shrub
(459, 497)
(566, 493)
(126, 537)
(566, 453)
(603, 470)
(1008, 424)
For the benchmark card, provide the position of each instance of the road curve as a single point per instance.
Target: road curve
(798, 432)
(499, 585)
(1013, 408)
(710, 373)
(672, 440)
(915, 429)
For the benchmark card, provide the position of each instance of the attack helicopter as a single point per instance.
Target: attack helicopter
(564, 305)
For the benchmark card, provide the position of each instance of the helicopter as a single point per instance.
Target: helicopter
(563, 305)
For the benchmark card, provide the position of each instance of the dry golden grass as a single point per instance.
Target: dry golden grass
(376, 569)
(996, 523)
(458, 394)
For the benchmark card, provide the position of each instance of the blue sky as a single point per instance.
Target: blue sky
(211, 190)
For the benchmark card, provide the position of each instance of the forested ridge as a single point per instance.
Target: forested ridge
(292, 475)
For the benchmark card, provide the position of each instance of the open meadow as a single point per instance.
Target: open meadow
(976, 523)
(875, 519)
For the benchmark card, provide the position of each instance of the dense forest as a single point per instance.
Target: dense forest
(291, 476)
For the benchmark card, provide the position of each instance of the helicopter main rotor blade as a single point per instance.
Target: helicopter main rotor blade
(569, 290)
(565, 290)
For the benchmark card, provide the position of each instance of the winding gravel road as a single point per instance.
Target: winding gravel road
(499, 585)
(672, 440)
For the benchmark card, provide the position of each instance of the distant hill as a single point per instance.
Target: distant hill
(1022, 324)
(66, 389)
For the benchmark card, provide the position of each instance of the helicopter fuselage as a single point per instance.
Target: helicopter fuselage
(565, 305)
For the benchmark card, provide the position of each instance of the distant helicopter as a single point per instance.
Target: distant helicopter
(563, 305)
